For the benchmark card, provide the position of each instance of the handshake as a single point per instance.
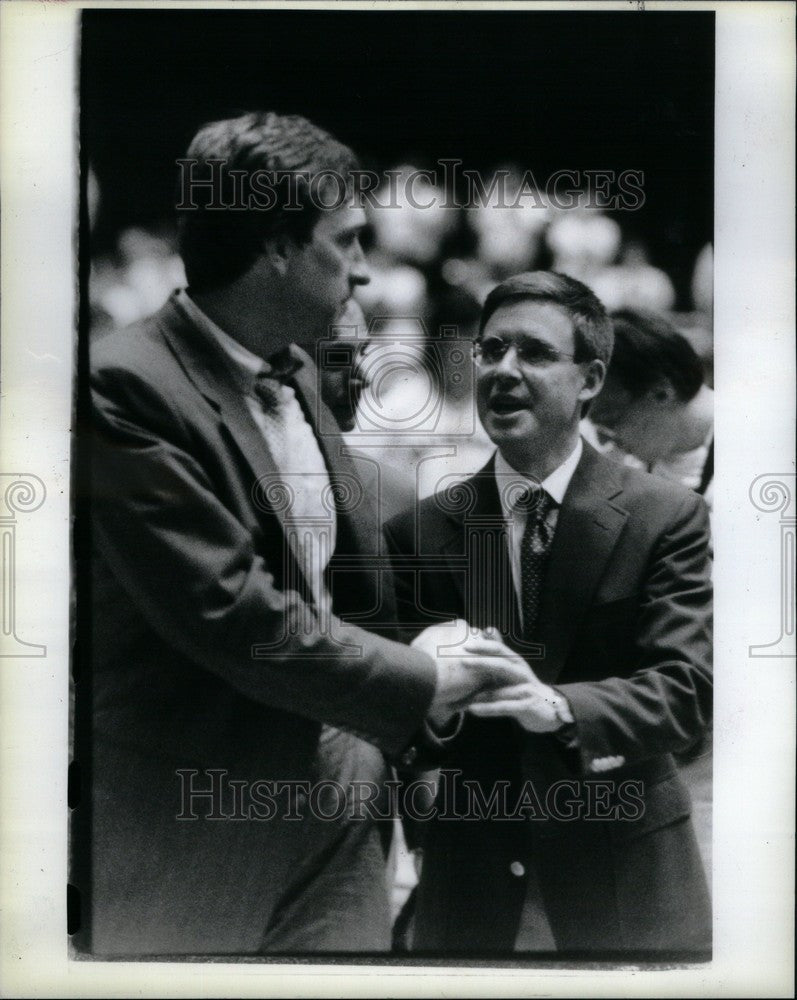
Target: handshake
(480, 674)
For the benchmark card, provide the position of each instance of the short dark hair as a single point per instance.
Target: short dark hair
(646, 349)
(592, 328)
(218, 245)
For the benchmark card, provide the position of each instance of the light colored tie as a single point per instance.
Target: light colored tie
(305, 496)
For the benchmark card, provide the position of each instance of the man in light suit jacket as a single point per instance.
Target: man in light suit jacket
(561, 824)
(241, 694)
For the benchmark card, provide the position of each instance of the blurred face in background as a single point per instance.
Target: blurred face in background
(408, 219)
(634, 423)
(342, 385)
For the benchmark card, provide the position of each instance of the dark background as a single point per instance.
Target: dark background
(548, 90)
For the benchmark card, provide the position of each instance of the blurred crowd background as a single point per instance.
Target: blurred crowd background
(431, 269)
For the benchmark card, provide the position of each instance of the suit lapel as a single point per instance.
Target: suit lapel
(478, 549)
(588, 528)
(589, 525)
(209, 369)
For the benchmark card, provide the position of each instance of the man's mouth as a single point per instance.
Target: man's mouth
(504, 405)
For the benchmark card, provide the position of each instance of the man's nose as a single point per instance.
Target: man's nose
(509, 365)
(360, 273)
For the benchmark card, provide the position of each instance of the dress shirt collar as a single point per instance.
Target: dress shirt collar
(244, 365)
(555, 485)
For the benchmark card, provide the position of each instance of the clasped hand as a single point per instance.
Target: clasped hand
(478, 672)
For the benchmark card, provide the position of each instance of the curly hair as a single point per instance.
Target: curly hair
(219, 242)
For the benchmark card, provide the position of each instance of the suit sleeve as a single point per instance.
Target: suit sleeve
(662, 702)
(191, 568)
(431, 745)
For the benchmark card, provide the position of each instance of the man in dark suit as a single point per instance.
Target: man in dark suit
(561, 824)
(242, 692)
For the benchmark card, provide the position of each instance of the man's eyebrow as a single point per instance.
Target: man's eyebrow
(528, 338)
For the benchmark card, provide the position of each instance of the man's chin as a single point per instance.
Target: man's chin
(348, 313)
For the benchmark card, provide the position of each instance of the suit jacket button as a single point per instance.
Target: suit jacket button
(409, 756)
(517, 869)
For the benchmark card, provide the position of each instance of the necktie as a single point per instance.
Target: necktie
(274, 397)
(303, 478)
(534, 548)
(283, 366)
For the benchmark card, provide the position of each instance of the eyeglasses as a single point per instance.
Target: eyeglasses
(530, 352)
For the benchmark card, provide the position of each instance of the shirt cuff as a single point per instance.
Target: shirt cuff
(568, 733)
(444, 734)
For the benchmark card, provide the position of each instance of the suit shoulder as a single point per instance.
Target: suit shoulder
(642, 483)
(134, 348)
(139, 362)
(649, 493)
(135, 375)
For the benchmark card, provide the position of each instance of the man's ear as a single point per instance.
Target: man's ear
(594, 378)
(277, 251)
